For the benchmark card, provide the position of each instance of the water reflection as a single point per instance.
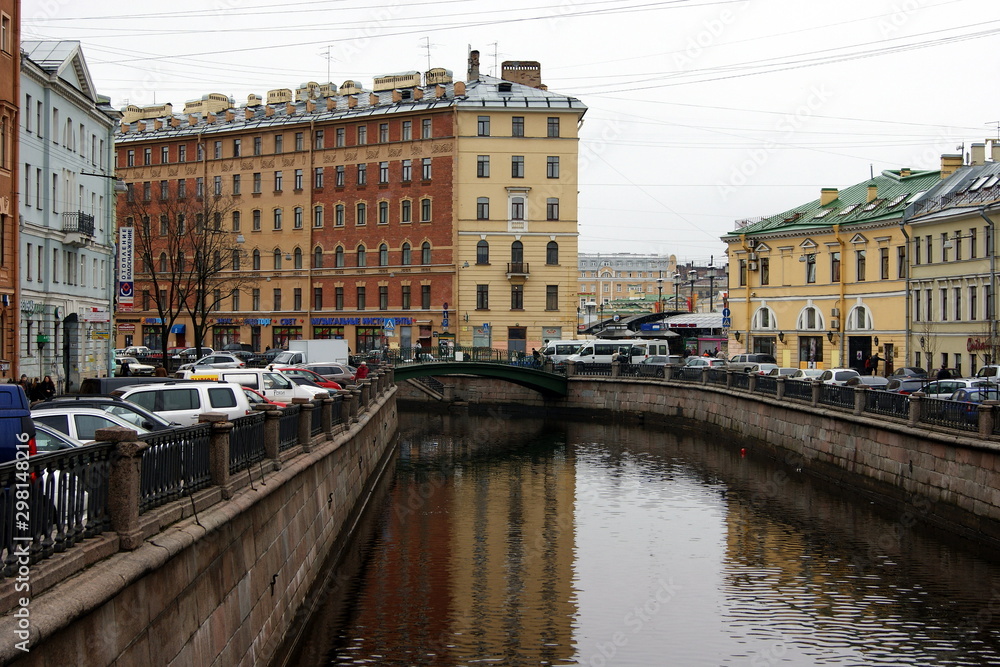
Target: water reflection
(513, 541)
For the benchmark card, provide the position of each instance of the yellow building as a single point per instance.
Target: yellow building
(824, 284)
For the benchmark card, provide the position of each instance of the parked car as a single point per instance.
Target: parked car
(992, 371)
(342, 374)
(256, 398)
(905, 385)
(191, 353)
(691, 370)
(742, 362)
(214, 361)
(870, 381)
(135, 367)
(838, 376)
(113, 405)
(134, 351)
(943, 389)
(48, 439)
(242, 350)
(963, 405)
(309, 374)
(762, 369)
(81, 423)
(806, 374)
(184, 402)
(945, 373)
(908, 371)
(17, 431)
(783, 371)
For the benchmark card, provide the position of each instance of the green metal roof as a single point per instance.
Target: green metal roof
(850, 207)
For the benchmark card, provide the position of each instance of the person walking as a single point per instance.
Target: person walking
(874, 363)
(362, 372)
(48, 388)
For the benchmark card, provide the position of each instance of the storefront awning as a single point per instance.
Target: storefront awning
(177, 329)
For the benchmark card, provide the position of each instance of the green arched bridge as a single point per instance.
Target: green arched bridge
(541, 381)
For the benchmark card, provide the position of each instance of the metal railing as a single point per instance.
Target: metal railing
(951, 414)
(799, 390)
(740, 381)
(592, 369)
(288, 427)
(832, 394)
(246, 441)
(175, 464)
(887, 403)
(766, 384)
(78, 222)
(316, 422)
(52, 502)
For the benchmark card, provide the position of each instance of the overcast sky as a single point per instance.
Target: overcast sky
(701, 112)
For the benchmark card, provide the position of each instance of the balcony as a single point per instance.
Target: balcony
(517, 270)
(79, 228)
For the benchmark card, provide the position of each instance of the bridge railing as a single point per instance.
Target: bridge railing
(127, 485)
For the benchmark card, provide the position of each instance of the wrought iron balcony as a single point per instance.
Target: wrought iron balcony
(79, 228)
(517, 269)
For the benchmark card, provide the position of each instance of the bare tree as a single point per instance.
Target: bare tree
(186, 258)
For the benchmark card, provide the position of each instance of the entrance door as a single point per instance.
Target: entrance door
(859, 348)
(517, 339)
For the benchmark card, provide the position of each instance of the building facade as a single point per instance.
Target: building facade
(67, 217)
(10, 95)
(369, 215)
(824, 284)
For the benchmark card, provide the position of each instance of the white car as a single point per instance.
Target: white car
(189, 353)
(806, 374)
(215, 361)
(135, 367)
(81, 423)
(838, 376)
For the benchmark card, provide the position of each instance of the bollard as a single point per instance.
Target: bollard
(326, 406)
(123, 484)
(816, 384)
(752, 382)
(345, 408)
(915, 407)
(306, 407)
(218, 449)
(780, 391)
(616, 369)
(860, 396)
(272, 420)
(987, 417)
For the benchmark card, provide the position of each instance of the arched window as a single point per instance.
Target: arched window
(764, 319)
(216, 261)
(383, 255)
(552, 253)
(860, 319)
(256, 260)
(406, 254)
(236, 259)
(516, 252)
(338, 257)
(163, 263)
(277, 259)
(810, 319)
(298, 258)
(425, 253)
(317, 258)
(362, 256)
(482, 252)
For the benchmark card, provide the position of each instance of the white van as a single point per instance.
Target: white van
(643, 349)
(557, 351)
(598, 351)
(274, 384)
(182, 402)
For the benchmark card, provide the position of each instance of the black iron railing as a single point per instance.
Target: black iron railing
(887, 403)
(766, 384)
(246, 442)
(316, 424)
(175, 464)
(833, 394)
(288, 427)
(799, 390)
(78, 222)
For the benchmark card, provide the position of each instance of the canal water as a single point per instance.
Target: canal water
(509, 540)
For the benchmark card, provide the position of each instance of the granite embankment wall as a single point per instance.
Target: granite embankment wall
(948, 478)
(222, 587)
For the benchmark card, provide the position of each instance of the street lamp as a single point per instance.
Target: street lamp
(711, 284)
(692, 276)
(678, 279)
(601, 308)
(659, 292)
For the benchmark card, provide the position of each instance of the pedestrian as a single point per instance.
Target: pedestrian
(35, 390)
(944, 374)
(874, 363)
(536, 355)
(124, 370)
(48, 388)
(160, 371)
(24, 381)
(362, 372)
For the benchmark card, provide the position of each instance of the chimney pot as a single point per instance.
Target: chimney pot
(950, 164)
(331, 103)
(828, 196)
(904, 172)
(473, 73)
(872, 191)
(978, 154)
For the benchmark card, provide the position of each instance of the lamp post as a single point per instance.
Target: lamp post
(692, 276)
(677, 286)
(659, 292)
(711, 284)
(601, 308)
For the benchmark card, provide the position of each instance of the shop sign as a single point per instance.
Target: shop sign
(126, 328)
(360, 321)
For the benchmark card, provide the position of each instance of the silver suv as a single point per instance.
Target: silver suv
(744, 362)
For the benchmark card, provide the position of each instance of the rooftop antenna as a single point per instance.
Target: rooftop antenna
(496, 57)
(997, 124)
(329, 58)
(427, 45)
(871, 171)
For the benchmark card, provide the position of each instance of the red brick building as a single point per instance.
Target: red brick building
(10, 95)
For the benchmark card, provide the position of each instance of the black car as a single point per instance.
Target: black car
(905, 385)
(909, 372)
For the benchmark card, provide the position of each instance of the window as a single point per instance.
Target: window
(317, 298)
(972, 243)
(147, 154)
(383, 172)
(235, 261)
(810, 268)
(517, 126)
(5, 34)
(257, 183)
(517, 166)
(258, 146)
(482, 252)
(361, 297)
(517, 297)
(901, 261)
(835, 267)
(297, 258)
(277, 181)
(407, 171)
(553, 126)
(199, 187)
(164, 154)
(765, 270)
(930, 251)
(362, 255)
(255, 299)
(482, 208)
(383, 212)
(362, 214)
(916, 305)
(425, 253)
(130, 158)
(405, 296)
(180, 224)
(425, 128)
(383, 255)
(277, 258)
(340, 137)
(146, 187)
(277, 298)
(317, 216)
(318, 177)
(406, 211)
(255, 224)
(338, 257)
(217, 186)
(362, 135)
(338, 298)
(383, 132)
(861, 261)
(318, 139)
(298, 179)
(425, 297)
(425, 169)
(277, 218)
(883, 263)
(383, 297)
(944, 304)
(300, 142)
(237, 184)
(338, 216)
(552, 297)
(552, 166)
(164, 225)
(517, 208)
(552, 208)
(483, 166)
(945, 255)
(973, 303)
(483, 126)
(516, 252)
(407, 130)
(362, 174)
(279, 143)
(217, 150)
(425, 210)
(482, 297)
(958, 303)
(317, 257)
(297, 218)
(552, 253)
(405, 254)
(338, 179)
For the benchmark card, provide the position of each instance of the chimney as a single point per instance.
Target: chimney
(310, 106)
(439, 90)
(230, 116)
(950, 164)
(210, 119)
(248, 113)
(373, 99)
(995, 151)
(524, 72)
(872, 191)
(459, 89)
(397, 95)
(289, 109)
(175, 122)
(157, 124)
(141, 125)
(978, 154)
(192, 119)
(904, 172)
(418, 93)
(352, 101)
(473, 74)
(828, 196)
(268, 111)
(331, 103)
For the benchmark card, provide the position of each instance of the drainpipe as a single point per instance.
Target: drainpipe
(906, 285)
(993, 285)
(840, 300)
